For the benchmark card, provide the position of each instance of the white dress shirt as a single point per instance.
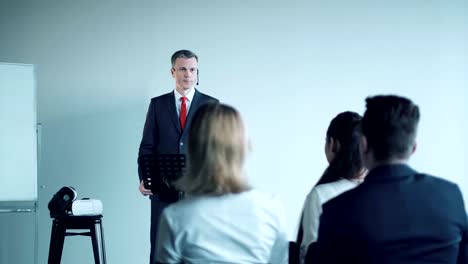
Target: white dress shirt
(188, 102)
(248, 227)
(313, 209)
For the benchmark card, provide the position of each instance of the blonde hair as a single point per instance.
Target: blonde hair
(216, 152)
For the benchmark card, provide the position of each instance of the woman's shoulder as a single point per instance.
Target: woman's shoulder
(202, 200)
(341, 183)
(263, 196)
(327, 190)
(247, 201)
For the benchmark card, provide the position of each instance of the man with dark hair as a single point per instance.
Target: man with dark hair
(166, 126)
(186, 54)
(397, 215)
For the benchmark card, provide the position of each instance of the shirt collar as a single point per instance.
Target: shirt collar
(189, 95)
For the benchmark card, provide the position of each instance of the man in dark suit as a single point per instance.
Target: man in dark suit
(167, 122)
(397, 215)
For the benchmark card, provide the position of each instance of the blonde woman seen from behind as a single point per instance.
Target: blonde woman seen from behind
(222, 219)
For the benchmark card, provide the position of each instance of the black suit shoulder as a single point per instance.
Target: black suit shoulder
(418, 180)
(341, 205)
(206, 98)
(163, 97)
(431, 179)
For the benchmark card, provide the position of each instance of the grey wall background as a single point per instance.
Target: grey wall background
(288, 66)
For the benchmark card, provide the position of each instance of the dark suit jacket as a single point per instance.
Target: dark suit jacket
(162, 133)
(396, 216)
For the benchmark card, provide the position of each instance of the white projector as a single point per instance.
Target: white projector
(87, 207)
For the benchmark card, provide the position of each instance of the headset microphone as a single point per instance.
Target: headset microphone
(197, 75)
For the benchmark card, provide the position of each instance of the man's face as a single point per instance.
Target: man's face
(185, 73)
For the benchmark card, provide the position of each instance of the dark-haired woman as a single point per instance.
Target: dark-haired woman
(345, 171)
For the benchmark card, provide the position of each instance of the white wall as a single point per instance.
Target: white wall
(288, 66)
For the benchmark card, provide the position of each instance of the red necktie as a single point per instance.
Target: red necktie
(183, 112)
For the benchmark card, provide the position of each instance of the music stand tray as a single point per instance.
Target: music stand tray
(160, 171)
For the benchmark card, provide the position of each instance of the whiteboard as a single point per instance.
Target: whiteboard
(18, 140)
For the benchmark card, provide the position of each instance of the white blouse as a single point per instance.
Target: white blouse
(248, 227)
(313, 208)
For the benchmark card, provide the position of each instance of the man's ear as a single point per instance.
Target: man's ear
(334, 145)
(172, 72)
(413, 148)
(364, 145)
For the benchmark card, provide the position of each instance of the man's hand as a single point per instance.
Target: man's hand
(143, 190)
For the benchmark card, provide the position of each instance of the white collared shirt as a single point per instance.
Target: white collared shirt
(178, 102)
(312, 210)
(248, 227)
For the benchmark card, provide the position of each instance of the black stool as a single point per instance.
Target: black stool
(62, 223)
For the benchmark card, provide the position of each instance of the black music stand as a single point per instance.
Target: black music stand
(160, 171)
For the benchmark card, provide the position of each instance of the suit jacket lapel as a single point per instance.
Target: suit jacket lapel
(193, 107)
(171, 107)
